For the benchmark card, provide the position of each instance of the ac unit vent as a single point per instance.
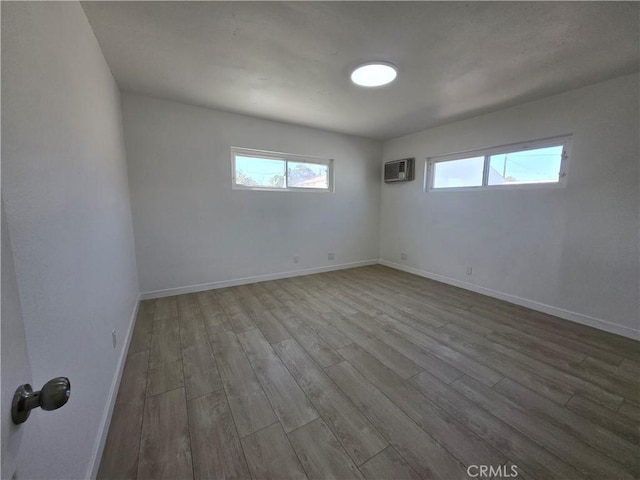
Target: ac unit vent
(399, 170)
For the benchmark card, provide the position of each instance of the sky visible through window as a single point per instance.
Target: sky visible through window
(466, 172)
(258, 171)
(270, 173)
(541, 165)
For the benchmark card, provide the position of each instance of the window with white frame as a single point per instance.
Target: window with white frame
(263, 170)
(527, 163)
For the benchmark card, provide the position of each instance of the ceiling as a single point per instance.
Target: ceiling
(290, 61)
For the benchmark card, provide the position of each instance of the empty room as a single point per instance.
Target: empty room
(320, 240)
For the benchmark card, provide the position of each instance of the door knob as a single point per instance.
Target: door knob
(54, 394)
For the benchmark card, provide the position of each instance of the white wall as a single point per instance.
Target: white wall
(64, 183)
(16, 369)
(192, 229)
(571, 251)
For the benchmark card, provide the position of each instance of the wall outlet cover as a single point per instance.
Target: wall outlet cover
(331, 256)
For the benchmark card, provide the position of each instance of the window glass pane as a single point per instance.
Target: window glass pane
(529, 166)
(466, 172)
(307, 175)
(259, 172)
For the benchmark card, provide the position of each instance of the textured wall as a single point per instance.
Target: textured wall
(64, 183)
(191, 228)
(574, 249)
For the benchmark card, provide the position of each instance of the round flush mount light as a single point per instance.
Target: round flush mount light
(374, 74)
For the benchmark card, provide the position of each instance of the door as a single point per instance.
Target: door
(15, 361)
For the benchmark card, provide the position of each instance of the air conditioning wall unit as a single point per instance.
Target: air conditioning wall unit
(399, 170)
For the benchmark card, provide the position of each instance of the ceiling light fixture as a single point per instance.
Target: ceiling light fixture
(374, 74)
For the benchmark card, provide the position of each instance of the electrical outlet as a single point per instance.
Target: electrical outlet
(114, 338)
(403, 256)
(469, 270)
(331, 256)
(296, 258)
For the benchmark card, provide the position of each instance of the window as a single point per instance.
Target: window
(262, 170)
(537, 162)
(465, 172)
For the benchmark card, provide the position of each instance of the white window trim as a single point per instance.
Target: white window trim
(286, 157)
(564, 140)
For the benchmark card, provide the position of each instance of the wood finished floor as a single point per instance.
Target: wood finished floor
(369, 373)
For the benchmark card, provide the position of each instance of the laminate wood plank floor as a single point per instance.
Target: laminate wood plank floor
(321, 454)
(370, 373)
(388, 464)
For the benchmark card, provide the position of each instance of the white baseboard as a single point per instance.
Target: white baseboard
(113, 393)
(540, 307)
(246, 280)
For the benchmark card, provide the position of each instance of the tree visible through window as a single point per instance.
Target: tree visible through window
(307, 175)
(259, 172)
(266, 170)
